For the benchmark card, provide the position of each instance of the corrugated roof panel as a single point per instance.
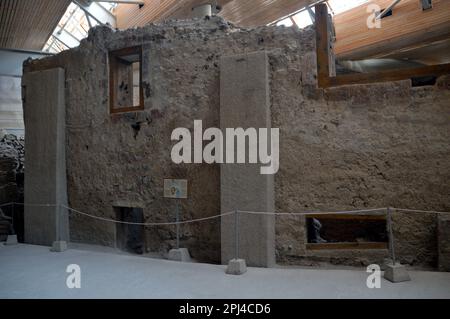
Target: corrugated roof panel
(252, 13)
(27, 24)
(245, 13)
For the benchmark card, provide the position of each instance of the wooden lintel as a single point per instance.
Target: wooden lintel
(355, 245)
(384, 76)
(43, 64)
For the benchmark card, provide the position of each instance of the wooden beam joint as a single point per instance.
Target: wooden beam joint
(325, 59)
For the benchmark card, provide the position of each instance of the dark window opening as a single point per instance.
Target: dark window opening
(126, 93)
(130, 237)
(423, 81)
(344, 231)
(427, 4)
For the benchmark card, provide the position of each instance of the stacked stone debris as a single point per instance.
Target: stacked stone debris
(13, 147)
(12, 156)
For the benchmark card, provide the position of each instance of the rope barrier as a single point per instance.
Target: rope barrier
(35, 205)
(149, 224)
(374, 212)
(315, 213)
(418, 211)
(220, 215)
(358, 211)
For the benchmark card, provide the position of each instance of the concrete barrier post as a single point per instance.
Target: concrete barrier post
(395, 272)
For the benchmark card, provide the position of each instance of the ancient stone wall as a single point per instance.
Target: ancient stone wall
(343, 148)
(362, 146)
(122, 159)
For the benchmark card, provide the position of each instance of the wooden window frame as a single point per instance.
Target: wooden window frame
(324, 79)
(113, 56)
(346, 246)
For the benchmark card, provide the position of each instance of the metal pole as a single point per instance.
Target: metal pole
(391, 236)
(88, 13)
(380, 15)
(60, 41)
(88, 20)
(177, 212)
(12, 218)
(236, 234)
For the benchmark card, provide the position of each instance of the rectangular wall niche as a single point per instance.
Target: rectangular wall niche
(346, 232)
(125, 83)
(130, 237)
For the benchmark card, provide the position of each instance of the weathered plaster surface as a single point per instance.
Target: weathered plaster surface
(344, 148)
(364, 146)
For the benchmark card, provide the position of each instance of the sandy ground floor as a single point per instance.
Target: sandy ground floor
(28, 271)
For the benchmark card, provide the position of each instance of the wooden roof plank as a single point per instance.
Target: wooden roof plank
(27, 24)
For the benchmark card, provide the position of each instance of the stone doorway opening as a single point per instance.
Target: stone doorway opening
(130, 238)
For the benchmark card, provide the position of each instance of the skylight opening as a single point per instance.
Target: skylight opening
(75, 24)
(303, 18)
(339, 6)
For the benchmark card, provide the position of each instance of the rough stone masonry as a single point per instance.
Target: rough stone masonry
(11, 181)
(351, 147)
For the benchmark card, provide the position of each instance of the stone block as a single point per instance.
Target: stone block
(396, 273)
(201, 11)
(45, 155)
(245, 103)
(181, 254)
(59, 246)
(11, 240)
(236, 267)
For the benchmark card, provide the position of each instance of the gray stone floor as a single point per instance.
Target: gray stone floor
(34, 272)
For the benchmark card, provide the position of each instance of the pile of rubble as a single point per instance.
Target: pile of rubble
(13, 149)
(12, 157)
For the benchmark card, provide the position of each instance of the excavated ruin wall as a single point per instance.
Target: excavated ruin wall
(350, 147)
(111, 164)
(362, 146)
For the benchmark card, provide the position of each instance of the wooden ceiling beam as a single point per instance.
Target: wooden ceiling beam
(407, 26)
(244, 13)
(129, 16)
(27, 24)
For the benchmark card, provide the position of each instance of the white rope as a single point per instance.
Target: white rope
(315, 213)
(36, 205)
(148, 224)
(418, 211)
(373, 210)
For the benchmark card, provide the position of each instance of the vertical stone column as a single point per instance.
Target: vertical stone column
(245, 103)
(45, 158)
